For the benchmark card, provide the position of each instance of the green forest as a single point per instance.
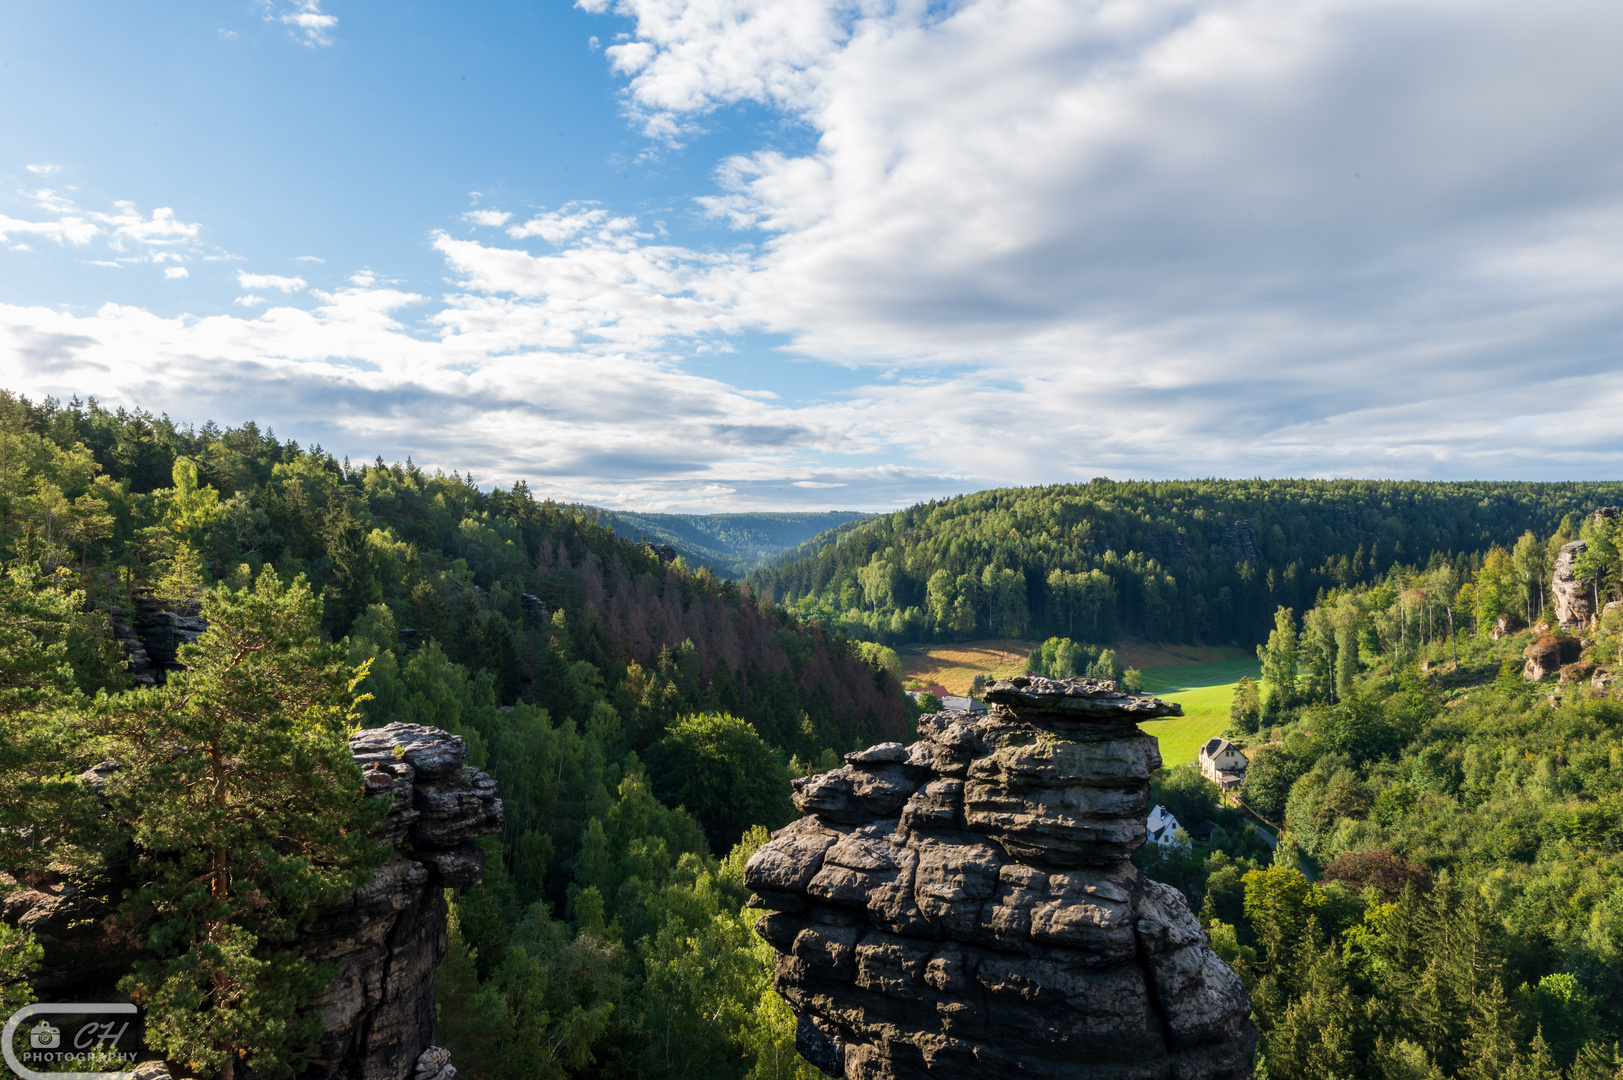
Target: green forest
(1193, 561)
(641, 718)
(1445, 898)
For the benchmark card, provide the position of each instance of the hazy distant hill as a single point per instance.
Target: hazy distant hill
(730, 544)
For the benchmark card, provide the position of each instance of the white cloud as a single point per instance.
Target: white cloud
(176, 272)
(269, 281)
(71, 229)
(123, 229)
(1175, 236)
(574, 220)
(43, 170)
(307, 18)
(1052, 240)
(249, 301)
(308, 259)
(226, 35)
(492, 219)
(691, 56)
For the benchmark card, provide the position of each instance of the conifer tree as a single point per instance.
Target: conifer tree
(1489, 1052)
(1596, 1062)
(1538, 1063)
(248, 814)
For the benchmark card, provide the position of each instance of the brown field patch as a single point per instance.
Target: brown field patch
(955, 666)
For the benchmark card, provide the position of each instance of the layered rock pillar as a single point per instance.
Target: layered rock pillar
(387, 937)
(965, 907)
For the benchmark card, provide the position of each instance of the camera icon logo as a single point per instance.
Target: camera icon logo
(43, 1036)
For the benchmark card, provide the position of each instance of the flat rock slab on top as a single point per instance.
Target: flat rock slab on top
(428, 750)
(1097, 700)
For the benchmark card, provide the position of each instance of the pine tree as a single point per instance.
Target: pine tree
(1596, 1062)
(247, 812)
(1313, 1039)
(1538, 1063)
(1489, 1052)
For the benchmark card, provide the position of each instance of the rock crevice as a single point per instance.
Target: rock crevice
(965, 906)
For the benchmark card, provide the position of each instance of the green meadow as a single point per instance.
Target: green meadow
(1204, 691)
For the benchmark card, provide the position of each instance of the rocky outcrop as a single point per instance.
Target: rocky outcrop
(152, 636)
(384, 939)
(389, 935)
(965, 907)
(1575, 596)
(1574, 600)
(1547, 654)
(1505, 625)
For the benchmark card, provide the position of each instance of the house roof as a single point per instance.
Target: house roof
(1216, 745)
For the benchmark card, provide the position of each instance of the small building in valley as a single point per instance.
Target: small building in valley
(1162, 827)
(1223, 763)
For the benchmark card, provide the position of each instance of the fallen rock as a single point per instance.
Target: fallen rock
(965, 907)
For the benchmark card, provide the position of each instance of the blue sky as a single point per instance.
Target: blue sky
(734, 254)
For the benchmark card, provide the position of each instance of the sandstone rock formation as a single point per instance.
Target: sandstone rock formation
(1575, 596)
(1574, 601)
(385, 938)
(965, 907)
(389, 935)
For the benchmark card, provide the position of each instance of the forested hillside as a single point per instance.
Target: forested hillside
(1444, 759)
(1458, 795)
(730, 544)
(641, 718)
(1199, 561)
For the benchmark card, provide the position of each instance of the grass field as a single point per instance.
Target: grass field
(1160, 680)
(1201, 679)
(1205, 704)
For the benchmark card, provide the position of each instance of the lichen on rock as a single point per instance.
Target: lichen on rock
(965, 907)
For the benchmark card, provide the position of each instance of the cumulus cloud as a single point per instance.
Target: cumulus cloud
(269, 281)
(173, 272)
(689, 57)
(1053, 240)
(1181, 235)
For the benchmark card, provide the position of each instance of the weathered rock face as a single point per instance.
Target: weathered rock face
(964, 906)
(385, 938)
(389, 935)
(1575, 596)
(1574, 602)
(1505, 624)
